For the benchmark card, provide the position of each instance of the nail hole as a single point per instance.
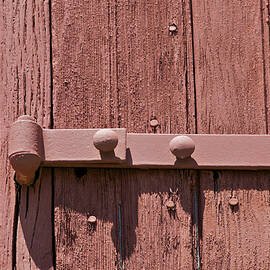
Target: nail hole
(80, 172)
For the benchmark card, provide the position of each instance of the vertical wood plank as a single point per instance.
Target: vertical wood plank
(235, 237)
(116, 65)
(24, 83)
(231, 86)
(154, 236)
(81, 244)
(34, 236)
(84, 64)
(7, 187)
(265, 13)
(155, 66)
(229, 66)
(25, 89)
(7, 113)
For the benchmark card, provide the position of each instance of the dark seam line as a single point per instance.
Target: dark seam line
(51, 125)
(194, 77)
(264, 72)
(53, 221)
(15, 223)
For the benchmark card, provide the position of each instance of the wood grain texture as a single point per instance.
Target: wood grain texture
(230, 41)
(155, 237)
(229, 66)
(235, 237)
(116, 65)
(79, 243)
(34, 238)
(154, 67)
(25, 88)
(7, 189)
(83, 53)
(119, 59)
(129, 203)
(265, 14)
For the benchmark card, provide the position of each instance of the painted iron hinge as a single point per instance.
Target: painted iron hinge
(31, 147)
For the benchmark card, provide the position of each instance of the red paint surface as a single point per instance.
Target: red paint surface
(115, 64)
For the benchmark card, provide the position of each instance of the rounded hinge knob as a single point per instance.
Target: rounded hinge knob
(105, 140)
(182, 146)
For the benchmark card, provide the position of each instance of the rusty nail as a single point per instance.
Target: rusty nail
(172, 28)
(154, 123)
(182, 146)
(105, 140)
(233, 201)
(170, 205)
(92, 219)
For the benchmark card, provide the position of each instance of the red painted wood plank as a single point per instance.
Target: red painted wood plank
(231, 86)
(25, 88)
(34, 237)
(235, 237)
(265, 15)
(116, 65)
(229, 67)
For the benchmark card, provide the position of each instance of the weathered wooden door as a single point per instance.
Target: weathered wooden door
(92, 64)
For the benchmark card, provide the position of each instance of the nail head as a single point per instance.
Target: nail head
(172, 28)
(154, 123)
(92, 219)
(233, 201)
(170, 204)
